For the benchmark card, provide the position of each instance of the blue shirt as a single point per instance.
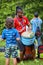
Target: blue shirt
(36, 22)
(10, 35)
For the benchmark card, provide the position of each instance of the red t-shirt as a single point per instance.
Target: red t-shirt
(20, 23)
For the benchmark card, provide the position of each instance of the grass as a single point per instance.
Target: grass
(2, 43)
(28, 62)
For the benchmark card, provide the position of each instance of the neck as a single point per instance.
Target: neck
(19, 16)
(36, 17)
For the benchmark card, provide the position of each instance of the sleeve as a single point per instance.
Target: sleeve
(27, 21)
(17, 34)
(33, 26)
(31, 22)
(41, 22)
(3, 34)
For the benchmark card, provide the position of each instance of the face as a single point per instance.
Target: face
(20, 13)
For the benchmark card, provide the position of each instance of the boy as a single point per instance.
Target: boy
(36, 25)
(11, 35)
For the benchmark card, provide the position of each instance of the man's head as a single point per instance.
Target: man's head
(19, 11)
(9, 22)
(36, 14)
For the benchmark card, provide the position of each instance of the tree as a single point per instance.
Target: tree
(7, 8)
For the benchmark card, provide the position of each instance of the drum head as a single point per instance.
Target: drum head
(27, 34)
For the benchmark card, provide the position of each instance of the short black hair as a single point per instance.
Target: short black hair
(18, 8)
(36, 14)
(9, 22)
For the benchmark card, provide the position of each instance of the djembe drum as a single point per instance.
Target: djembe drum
(28, 40)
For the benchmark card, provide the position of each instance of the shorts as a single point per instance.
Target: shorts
(11, 50)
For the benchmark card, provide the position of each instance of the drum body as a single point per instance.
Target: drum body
(29, 52)
(29, 47)
(27, 41)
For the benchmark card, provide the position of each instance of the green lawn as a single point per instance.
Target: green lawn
(2, 43)
(29, 62)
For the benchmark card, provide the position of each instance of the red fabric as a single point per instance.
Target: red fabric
(18, 21)
(40, 49)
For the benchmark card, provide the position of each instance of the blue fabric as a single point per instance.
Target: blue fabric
(36, 22)
(10, 35)
(28, 41)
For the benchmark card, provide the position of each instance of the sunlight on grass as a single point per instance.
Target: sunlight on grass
(28, 62)
(2, 43)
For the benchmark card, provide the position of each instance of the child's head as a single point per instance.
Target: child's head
(9, 22)
(36, 14)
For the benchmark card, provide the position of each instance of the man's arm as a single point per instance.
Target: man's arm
(27, 22)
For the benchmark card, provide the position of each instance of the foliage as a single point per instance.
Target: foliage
(8, 8)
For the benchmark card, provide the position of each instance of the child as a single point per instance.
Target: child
(36, 26)
(11, 35)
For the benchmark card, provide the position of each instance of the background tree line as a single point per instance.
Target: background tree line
(8, 8)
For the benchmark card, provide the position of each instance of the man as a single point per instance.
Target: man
(20, 22)
(36, 26)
